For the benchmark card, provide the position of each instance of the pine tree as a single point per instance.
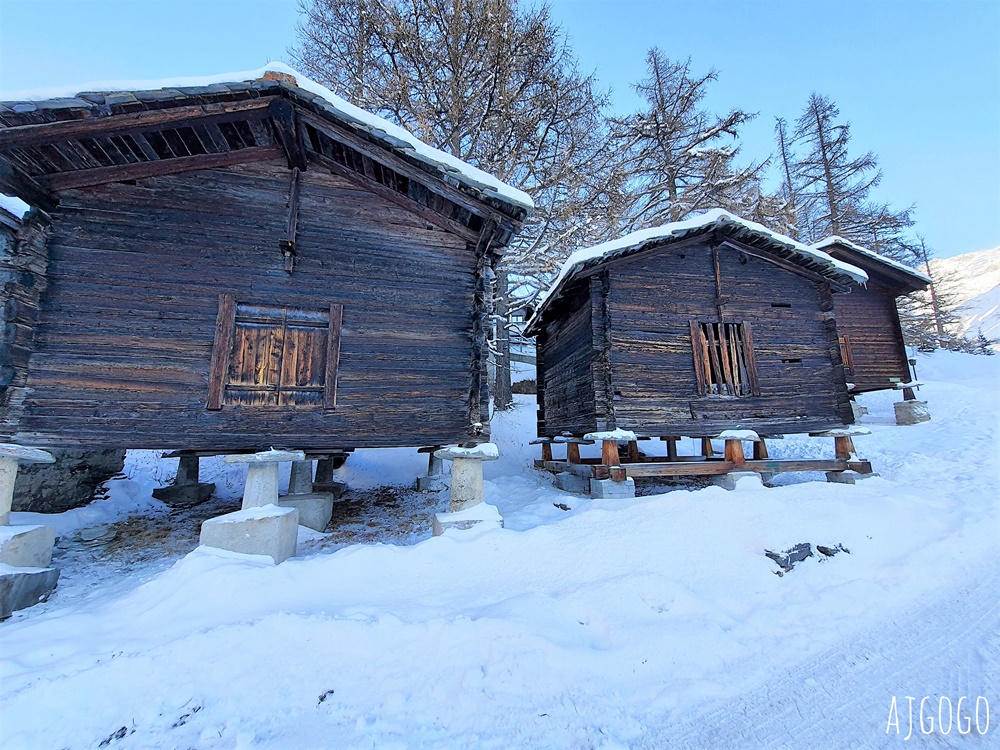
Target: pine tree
(495, 84)
(679, 157)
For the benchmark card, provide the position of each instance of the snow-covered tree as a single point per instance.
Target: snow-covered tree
(679, 157)
(495, 84)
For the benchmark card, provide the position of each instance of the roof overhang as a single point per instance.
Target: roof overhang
(902, 278)
(745, 235)
(47, 147)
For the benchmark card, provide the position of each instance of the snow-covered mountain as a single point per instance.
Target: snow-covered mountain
(973, 280)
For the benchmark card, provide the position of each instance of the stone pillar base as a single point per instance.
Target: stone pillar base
(847, 477)
(567, 481)
(334, 489)
(315, 509)
(26, 546)
(858, 410)
(21, 588)
(481, 515)
(911, 412)
(432, 483)
(259, 530)
(180, 496)
(745, 480)
(608, 488)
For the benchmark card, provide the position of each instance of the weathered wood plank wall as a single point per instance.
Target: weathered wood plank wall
(868, 317)
(124, 347)
(566, 353)
(652, 298)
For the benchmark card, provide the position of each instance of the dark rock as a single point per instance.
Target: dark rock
(787, 559)
(68, 483)
(180, 496)
(21, 588)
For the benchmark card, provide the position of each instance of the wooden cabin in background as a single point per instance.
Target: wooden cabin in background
(241, 264)
(691, 329)
(871, 338)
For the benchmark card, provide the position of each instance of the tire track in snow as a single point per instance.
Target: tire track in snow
(841, 698)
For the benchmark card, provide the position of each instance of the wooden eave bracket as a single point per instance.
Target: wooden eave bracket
(286, 124)
(14, 182)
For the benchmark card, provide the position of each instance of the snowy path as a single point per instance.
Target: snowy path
(949, 647)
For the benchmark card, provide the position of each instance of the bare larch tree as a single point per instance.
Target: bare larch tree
(679, 157)
(496, 85)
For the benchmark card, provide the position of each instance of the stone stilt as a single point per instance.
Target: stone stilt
(186, 491)
(300, 479)
(324, 482)
(569, 482)
(467, 489)
(744, 480)
(911, 412)
(25, 551)
(609, 488)
(261, 527)
(434, 480)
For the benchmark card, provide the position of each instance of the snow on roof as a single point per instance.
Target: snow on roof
(717, 218)
(384, 130)
(835, 240)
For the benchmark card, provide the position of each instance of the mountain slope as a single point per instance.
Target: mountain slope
(973, 280)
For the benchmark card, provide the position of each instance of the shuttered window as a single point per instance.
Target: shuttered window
(274, 356)
(845, 355)
(724, 361)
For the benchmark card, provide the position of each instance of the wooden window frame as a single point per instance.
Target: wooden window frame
(222, 349)
(846, 356)
(725, 363)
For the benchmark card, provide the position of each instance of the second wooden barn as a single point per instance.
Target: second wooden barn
(692, 329)
(871, 337)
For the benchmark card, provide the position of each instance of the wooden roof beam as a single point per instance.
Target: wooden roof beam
(397, 164)
(432, 216)
(33, 135)
(286, 123)
(118, 173)
(14, 182)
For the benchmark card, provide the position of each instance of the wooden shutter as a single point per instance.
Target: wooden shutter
(701, 365)
(220, 351)
(845, 355)
(751, 358)
(333, 356)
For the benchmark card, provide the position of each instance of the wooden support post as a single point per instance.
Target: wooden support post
(843, 447)
(609, 453)
(760, 450)
(734, 453)
(287, 245)
(671, 447)
(706, 447)
(573, 453)
(546, 451)
(909, 395)
(633, 451)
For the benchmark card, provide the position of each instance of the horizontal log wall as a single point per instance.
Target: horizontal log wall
(654, 297)
(869, 319)
(566, 356)
(123, 351)
(23, 279)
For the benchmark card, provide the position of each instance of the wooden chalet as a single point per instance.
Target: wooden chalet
(871, 338)
(243, 263)
(692, 329)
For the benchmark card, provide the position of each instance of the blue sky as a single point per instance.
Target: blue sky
(918, 80)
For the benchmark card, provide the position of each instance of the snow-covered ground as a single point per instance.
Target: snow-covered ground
(650, 623)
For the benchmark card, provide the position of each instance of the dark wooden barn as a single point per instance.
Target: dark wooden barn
(871, 338)
(691, 329)
(242, 264)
